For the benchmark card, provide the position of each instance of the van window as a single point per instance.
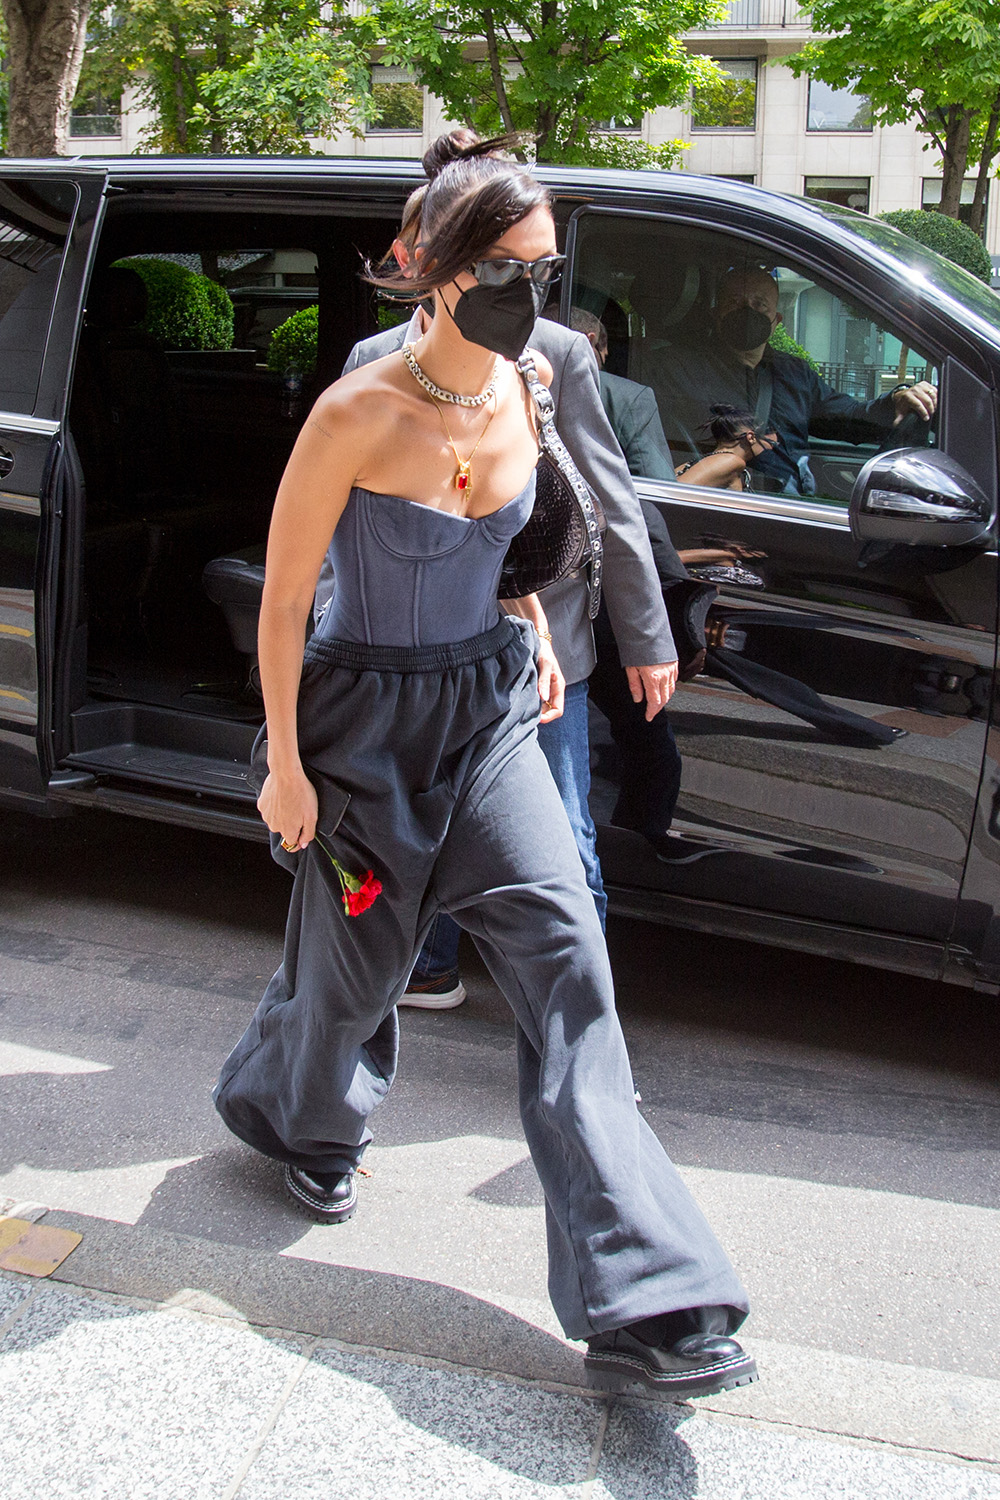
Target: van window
(35, 218)
(704, 335)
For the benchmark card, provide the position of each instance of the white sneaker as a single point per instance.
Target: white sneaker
(434, 994)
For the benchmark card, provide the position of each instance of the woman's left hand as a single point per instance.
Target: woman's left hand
(551, 684)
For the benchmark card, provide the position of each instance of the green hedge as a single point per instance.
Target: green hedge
(185, 310)
(295, 342)
(782, 340)
(947, 236)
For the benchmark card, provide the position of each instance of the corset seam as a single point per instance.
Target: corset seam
(415, 556)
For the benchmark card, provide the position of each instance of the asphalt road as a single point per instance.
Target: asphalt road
(839, 1126)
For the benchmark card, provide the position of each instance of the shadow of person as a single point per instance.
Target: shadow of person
(393, 1426)
(538, 1436)
(231, 1196)
(515, 1187)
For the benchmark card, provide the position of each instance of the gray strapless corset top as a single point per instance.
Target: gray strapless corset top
(406, 574)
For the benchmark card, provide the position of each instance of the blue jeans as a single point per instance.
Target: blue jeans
(565, 743)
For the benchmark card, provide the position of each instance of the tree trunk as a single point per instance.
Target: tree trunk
(985, 163)
(46, 39)
(956, 158)
(496, 72)
(547, 118)
(180, 100)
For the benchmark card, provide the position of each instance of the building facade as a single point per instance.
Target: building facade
(788, 134)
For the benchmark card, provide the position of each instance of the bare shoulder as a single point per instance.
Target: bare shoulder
(347, 404)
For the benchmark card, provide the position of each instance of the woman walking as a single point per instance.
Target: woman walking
(402, 754)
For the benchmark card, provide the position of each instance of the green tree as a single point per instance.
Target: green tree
(946, 236)
(555, 71)
(933, 61)
(219, 76)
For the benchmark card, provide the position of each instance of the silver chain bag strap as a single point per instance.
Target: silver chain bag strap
(566, 524)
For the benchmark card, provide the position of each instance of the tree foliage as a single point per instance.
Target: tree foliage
(947, 236)
(555, 71)
(219, 76)
(933, 61)
(184, 310)
(295, 343)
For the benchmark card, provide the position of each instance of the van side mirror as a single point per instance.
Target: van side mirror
(919, 496)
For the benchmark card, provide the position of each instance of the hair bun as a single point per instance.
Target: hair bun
(460, 145)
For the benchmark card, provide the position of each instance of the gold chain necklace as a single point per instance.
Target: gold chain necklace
(463, 478)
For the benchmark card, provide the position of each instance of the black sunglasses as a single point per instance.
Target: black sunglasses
(543, 272)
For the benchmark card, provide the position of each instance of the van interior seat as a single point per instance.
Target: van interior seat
(236, 584)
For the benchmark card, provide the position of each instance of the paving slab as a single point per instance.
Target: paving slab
(651, 1454)
(363, 1426)
(104, 1398)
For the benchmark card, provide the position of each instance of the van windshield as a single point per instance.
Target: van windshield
(942, 274)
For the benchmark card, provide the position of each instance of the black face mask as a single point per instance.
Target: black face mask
(500, 317)
(745, 328)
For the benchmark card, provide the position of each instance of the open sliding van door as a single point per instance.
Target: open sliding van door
(46, 221)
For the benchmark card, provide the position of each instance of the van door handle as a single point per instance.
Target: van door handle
(6, 462)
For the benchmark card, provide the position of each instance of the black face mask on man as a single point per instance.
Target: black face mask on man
(500, 317)
(745, 328)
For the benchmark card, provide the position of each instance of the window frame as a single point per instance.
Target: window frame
(373, 128)
(835, 129)
(795, 508)
(721, 62)
(38, 394)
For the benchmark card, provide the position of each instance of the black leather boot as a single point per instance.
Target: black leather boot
(329, 1201)
(699, 1364)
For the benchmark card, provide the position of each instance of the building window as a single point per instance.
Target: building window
(629, 124)
(730, 103)
(849, 192)
(734, 176)
(96, 116)
(837, 109)
(931, 197)
(398, 100)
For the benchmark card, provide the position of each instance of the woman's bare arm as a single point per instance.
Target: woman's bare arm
(314, 489)
(551, 682)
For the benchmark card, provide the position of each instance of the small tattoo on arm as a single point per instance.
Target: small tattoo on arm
(313, 423)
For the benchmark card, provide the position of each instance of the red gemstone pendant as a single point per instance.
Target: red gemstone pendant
(463, 479)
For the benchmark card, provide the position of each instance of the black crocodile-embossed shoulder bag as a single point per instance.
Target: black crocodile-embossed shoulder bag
(566, 524)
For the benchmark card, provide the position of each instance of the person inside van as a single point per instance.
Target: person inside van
(736, 364)
(737, 444)
(631, 407)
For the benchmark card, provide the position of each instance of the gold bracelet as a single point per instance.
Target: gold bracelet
(544, 635)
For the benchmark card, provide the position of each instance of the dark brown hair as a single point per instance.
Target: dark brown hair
(472, 198)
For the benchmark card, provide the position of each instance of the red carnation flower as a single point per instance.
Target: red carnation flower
(358, 901)
(357, 894)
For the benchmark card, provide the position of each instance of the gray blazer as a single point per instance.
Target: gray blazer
(635, 422)
(631, 585)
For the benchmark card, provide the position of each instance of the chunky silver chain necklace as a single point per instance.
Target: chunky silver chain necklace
(438, 392)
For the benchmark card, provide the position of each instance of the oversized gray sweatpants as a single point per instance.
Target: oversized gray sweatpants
(453, 807)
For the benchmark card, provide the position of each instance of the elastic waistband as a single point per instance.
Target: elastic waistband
(360, 657)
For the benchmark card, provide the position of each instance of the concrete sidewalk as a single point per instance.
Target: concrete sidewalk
(104, 1397)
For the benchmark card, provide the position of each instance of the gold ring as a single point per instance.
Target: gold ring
(290, 847)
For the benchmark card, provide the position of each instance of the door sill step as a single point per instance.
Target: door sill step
(182, 770)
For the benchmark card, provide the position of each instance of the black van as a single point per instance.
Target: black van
(137, 480)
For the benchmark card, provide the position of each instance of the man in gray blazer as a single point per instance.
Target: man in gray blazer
(631, 407)
(634, 602)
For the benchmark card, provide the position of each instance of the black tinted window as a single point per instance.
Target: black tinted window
(35, 217)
